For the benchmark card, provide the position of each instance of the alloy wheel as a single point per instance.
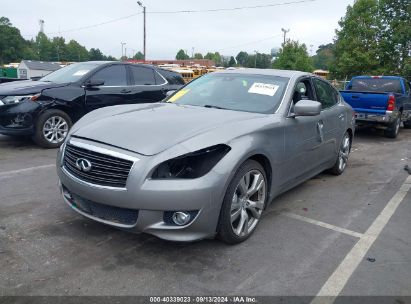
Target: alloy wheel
(344, 152)
(55, 129)
(248, 203)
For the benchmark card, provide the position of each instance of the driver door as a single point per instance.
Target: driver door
(303, 139)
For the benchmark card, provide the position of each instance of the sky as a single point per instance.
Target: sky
(228, 31)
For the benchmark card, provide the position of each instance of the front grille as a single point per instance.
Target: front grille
(108, 213)
(106, 170)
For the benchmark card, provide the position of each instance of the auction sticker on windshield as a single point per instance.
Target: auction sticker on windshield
(263, 88)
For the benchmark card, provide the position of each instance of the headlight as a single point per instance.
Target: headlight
(16, 99)
(192, 165)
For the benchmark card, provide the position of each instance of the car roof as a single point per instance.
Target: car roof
(268, 72)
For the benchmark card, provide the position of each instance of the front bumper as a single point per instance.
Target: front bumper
(151, 199)
(18, 119)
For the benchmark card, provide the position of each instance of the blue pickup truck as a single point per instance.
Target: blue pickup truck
(380, 101)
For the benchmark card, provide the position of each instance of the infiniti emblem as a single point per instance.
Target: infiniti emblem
(83, 164)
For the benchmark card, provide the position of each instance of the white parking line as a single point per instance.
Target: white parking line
(322, 224)
(336, 282)
(8, 173)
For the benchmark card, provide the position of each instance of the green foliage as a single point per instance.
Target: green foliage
(181, 55)
(394, 23)
(216, 57)
(138, 56)
(12, 44)
(242, 58)
(293, 56)
(356, 47)
(324, 59)
(198, 56)
(14, 48)
(232, 62)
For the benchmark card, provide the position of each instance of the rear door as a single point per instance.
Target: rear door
(147, 85)
(114, 91)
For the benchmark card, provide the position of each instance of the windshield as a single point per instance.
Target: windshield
(70, 73)
(239, 92)
(376, 85)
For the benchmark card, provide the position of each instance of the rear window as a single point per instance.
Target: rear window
(172, 77)
(376, 85)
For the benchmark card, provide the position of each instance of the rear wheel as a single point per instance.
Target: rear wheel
(243, 203)
(343, 154)
(52, 128)
(393, 129)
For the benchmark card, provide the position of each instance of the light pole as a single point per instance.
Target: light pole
(122, 49)
(144, 13)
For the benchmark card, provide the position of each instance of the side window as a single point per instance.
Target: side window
(303, 90)
(326, 94)
(142, 75)
(114, 75)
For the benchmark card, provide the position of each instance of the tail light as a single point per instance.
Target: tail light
(391, 103)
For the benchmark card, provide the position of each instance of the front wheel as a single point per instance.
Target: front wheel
(343, 154)
(243, 203)
(52, 128)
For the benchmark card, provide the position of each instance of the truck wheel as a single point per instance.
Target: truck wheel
(51, 129)
(407, 124)
(393, 129)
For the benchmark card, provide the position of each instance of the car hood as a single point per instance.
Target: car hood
(151, 129)
(27, 87)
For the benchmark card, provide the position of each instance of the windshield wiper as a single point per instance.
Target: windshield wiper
(215, 107)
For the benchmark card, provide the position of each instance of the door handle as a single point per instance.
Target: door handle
(125, 91)
(320, 126)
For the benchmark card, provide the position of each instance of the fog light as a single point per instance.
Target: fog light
(181, 218)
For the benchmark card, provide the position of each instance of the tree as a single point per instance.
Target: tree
(394, 35)
(76, 52)
(242, 58)
(356, 46)
(58, 52)
(198, 56)
(181, 55)
(293, 56)
(216, 57)
(138, 56)
(95, 54)
(232, 62)
(44, 48)
(324, 58)
(12, 44)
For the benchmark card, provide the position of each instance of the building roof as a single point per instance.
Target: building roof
(41, 65)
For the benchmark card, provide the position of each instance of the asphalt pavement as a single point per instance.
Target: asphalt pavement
(346, 235)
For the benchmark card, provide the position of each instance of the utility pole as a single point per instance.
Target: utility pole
(285, 34)
(144, 13)
(192, 52)
(122, 49)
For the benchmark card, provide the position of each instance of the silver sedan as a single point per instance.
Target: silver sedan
(208, 160)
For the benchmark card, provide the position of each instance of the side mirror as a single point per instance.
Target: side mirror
(307, 108)
(94, 83)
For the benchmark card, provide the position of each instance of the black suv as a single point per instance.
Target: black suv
(46, 109)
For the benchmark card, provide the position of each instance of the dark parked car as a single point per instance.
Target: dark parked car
(46, 109)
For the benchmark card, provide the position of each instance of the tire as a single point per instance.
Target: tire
(407, 124)
(393, 129)
(51, 128)
(241, 205)
(343, 154)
